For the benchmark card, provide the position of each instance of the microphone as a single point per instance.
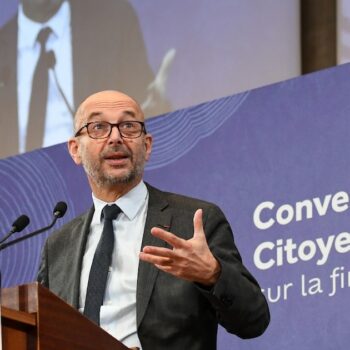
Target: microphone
(52, 64)
(58, 212)
(18, 225)
(50, 59)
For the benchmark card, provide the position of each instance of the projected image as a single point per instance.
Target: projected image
(63, 54)
(343, 31)
(168, 55)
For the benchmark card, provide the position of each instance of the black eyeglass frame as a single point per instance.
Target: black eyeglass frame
(112, 125)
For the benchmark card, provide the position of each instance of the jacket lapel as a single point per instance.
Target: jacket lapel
(157, 215)
(74, 253)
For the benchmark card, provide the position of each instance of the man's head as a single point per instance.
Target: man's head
(113, 162)
(40, 10)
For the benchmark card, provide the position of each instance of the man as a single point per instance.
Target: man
(175, 272)
(92, 44)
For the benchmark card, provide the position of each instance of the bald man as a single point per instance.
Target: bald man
(175, 272)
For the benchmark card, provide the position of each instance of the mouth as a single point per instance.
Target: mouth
(116, 158)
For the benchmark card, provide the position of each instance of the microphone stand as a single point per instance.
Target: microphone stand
(29, 235)
(20, 223)
(59, 211)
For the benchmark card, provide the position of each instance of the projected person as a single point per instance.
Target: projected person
(171, 271)
(56, 52)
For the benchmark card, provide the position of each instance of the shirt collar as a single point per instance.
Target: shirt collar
(28, 29)
(130, 203)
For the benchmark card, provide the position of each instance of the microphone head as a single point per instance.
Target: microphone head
(51, 59)
(60, 209)
(20, 223)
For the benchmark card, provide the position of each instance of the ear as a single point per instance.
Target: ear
(73, 148)
(148, 145)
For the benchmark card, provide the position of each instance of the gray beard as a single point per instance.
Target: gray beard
(105, 180)
(102, 180)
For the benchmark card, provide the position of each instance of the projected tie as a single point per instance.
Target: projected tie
(100, 265)
(38, 100)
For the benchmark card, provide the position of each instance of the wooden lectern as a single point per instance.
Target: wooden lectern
(33, 318)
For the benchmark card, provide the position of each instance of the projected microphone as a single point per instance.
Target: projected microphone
(52, 65)
(18, 225)
(58, 212)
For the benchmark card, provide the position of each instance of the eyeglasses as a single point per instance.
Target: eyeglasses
(101, 130)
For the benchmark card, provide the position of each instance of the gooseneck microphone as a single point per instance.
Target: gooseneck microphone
(18, 225)
(52, 65)
(58, 212)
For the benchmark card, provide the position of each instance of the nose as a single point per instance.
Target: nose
(115, 135)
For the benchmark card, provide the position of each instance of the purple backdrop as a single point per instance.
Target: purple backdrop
(275, 159)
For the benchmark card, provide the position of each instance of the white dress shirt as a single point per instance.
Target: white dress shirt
(58, 121)
(118, 312)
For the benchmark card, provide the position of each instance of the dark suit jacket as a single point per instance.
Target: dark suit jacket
(171, 313)
(108, 53)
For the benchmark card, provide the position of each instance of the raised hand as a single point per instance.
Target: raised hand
(190, 259)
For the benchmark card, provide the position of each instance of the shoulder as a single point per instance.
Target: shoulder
(110, 8)
(8, 33)
(71, 228)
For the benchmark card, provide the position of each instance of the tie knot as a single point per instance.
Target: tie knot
(43, 36)
(110, 212)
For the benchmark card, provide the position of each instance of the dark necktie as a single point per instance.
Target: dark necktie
(38, 100)
(100, 266)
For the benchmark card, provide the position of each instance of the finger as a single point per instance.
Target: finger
(165, 268)
(159, 251)
(168, 237)
(167, 60)
(198, 223)
(156, 260)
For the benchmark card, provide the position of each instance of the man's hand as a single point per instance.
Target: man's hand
(190, 259)
(156, 102)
